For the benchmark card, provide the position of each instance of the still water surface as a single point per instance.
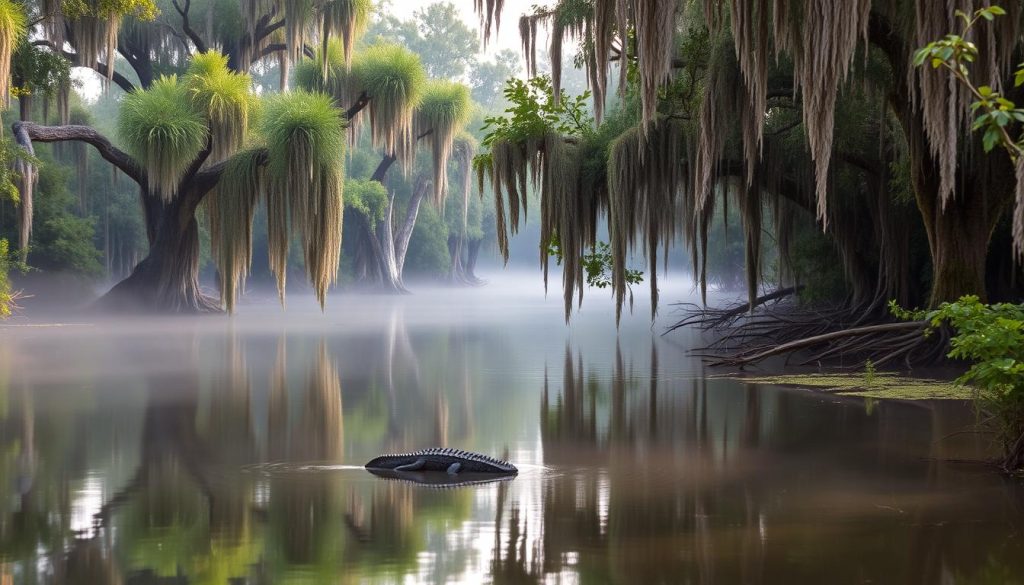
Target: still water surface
(217, 450)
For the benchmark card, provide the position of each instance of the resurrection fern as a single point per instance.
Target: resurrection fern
(305, 178)
(12, 29)
(444, 110)
(393, 78)
(226, 99)
(163, 131)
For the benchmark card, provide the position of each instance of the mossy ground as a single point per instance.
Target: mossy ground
(879, 385)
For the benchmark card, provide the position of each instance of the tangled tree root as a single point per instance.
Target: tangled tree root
(837, 335)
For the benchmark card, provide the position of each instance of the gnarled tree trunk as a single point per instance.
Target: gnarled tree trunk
(167, 280)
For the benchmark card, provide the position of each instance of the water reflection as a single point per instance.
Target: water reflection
(228, 455)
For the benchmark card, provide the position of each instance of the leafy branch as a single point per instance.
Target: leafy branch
(994, 113)
(597, 265)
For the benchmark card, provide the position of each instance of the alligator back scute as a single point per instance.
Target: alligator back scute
(439, 459)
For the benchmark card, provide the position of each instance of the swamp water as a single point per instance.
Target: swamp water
(228, 450)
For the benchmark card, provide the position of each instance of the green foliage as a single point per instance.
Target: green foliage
(39, 71)
(445, 104)
(870, 373)
(993, 112)
(428, 247)
(140, 9)
(224, 97)
(391, 74)
(532, 112)
(163, 131)
(597, 265)
(61, 240)
(7, 296)
(367, 197)
(309, 118)
(9, 153)
(992, 337)
(13, 27)
(310, 73)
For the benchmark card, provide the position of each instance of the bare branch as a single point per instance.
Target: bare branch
(187, 27)
(28, 132)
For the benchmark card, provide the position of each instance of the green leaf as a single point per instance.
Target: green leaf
(990, 139)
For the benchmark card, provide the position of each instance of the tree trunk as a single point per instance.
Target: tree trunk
(404, 234)
(471, 258)
(380, 247)
(958, 231)
(456, 272)
(167, 279)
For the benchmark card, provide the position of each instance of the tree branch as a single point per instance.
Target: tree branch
(187, 27)
(99, 67)
(361, 102)
(25, 133)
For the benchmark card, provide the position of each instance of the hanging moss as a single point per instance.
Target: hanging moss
(305, 178)
(347, 18)
(443, 111)
(225, 97)
(393, 78)
(231, 208)
(12, 29)
(163, 131)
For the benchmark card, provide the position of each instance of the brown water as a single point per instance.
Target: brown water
(217, 450)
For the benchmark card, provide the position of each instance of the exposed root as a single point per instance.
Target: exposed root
(804, 336)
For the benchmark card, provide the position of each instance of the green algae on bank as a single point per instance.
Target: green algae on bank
(881, 385)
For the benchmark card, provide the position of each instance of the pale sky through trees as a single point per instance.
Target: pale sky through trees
(506, 38)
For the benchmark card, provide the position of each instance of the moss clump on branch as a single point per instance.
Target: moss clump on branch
(444, 110)
(393, 78)
(163, 131)
(305, 172)
(226, 99)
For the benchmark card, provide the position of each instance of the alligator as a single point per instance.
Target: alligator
(451, 461)
(441, 480)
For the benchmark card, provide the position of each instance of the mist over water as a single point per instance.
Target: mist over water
(222, 449)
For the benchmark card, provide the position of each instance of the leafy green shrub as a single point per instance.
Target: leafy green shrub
(991, 336)
(7, 295)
